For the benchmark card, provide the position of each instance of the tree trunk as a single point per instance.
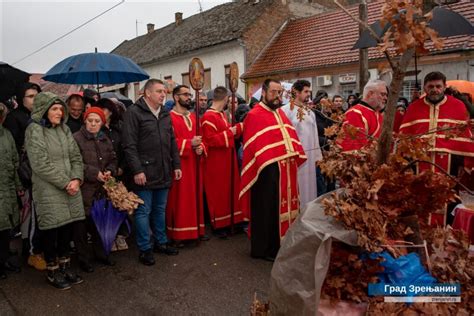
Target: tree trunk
(364, 52)
(386, 139)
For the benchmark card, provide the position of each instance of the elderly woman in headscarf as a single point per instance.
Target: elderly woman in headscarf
(100, 162)
(57, 173)
(113, 110)
(9, 187)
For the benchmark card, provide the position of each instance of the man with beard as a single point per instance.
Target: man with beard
(363, 121)
(439, 111)
(269, 184)
(17, 121)
(183, 221)
(219, 136)
(304, 121)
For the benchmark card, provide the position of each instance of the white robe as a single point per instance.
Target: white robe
(308, 134)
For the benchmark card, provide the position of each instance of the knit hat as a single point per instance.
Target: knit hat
(96, 110)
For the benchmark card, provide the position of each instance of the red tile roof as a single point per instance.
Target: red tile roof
(326, 39)
(61, 90)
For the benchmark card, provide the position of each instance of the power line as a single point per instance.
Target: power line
(63, 36)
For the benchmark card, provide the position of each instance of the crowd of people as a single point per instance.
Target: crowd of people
(257, 165)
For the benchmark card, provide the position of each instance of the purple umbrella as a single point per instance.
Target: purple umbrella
(107, 219)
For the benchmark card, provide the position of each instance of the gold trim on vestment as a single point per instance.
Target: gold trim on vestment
(187, 119)
(450, 121)
(266, 163)
(288, 184)
(183, 145)
(364, 120)
(290, 215)
(226, 140)
(263, 131)
(259, 152)
(209, 123)
(226, 217)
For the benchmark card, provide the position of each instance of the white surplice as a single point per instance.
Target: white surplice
(308, 134)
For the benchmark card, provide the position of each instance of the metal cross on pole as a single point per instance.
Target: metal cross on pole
(196, 79)
(233, 84)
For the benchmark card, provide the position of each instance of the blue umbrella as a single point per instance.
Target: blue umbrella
(107, 219)
(96, 68)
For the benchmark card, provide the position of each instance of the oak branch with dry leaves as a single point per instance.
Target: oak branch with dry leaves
(409, 32)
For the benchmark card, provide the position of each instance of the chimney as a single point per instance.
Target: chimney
(178, 18)
(150, 27)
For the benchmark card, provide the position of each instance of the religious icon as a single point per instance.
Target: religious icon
(196, 74)
(234, 77)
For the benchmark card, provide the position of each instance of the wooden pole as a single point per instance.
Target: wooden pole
(232, 157)
(363, 52)
(198, 169)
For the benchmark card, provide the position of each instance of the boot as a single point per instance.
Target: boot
(56, 278)
(65, 268)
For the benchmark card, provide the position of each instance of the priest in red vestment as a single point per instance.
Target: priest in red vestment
(269, 184)
(365, 117)
(182, 218)
(219, 137)
(429, 117)
(433, 113)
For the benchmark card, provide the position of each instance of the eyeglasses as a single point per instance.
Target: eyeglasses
(185, 94)
(278, 92)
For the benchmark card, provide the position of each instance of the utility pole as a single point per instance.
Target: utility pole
(363, 52)
(136, 27)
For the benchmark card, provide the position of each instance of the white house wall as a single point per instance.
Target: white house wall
(215, 58)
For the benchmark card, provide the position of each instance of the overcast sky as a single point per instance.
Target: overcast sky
(25, 26)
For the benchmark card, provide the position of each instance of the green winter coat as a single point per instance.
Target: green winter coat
(9, 181)
(55, 160)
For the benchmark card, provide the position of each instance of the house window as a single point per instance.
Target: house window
(168, 78)
(348, 89)
(408, 88)
(207, 79)
(227, 75)
(185, 78)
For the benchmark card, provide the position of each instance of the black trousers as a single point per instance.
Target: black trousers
(265, 213)
(86, 251)
(4, 247)
(56, 242)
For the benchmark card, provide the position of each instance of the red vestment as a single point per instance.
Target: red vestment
(368, 123)
(181, 213)
(422, 117)
(270, 137)
(219, 140)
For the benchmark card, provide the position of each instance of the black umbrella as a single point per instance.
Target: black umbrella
(445, 22)
(117, 95)
(11, 79)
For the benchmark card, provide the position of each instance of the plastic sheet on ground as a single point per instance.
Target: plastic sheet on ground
(303, 261)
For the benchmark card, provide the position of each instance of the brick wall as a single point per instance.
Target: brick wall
(260, 33)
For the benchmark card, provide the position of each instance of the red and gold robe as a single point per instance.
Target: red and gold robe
(270, 137)
(368, 123)
(181, 210)
(422, 117)
(219, 140)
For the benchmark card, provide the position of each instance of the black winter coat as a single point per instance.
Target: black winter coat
(16, 122)
(150, 146)
(322, 122)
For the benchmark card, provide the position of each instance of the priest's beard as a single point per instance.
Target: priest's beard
(436, 98)
(272, 103)
(186, 104)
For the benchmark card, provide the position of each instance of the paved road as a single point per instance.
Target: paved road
(216, 278)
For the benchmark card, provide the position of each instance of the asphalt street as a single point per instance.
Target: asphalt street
(218, 277)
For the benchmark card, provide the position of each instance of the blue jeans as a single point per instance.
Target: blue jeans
(151, 214)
